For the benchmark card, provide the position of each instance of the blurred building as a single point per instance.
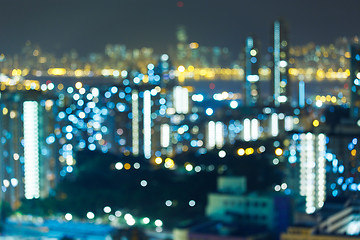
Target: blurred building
(338, 219)
(280, 75)
(232, 203)
(355, 80)
(252, 91)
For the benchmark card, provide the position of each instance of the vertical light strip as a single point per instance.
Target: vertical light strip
(321, 172)
(135, 123)
(185, 100)
(276, 62)
(165, 135)
(31, 150)
(289, 123)
(219, 137)
(274, 125)
(211, 135)
(254, 129)
(247, 130)
(147, 124)
(301, 94)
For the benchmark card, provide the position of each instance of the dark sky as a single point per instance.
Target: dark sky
(87, 25)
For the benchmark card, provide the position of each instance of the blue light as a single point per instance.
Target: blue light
(128, 89)
(340, 180)
(335, 162)
(50, 139)
(121, 107)
(157, 78)
(343, 187)
(92, 147)
(350, 146)
(70, 90)
(355, 141)
(341, 169)
(295, 137)
(335, 193)
(80, 102)
(333, 186)
(162, 101)
(357, 57)
(107, 94)
(61, 115)
(253, 60)
(150, 66)
(126, 82)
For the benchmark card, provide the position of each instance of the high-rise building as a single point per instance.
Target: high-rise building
(355, 80)
(280, 85)
(251, 72)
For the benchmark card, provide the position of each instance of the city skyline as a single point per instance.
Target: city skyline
(93, 24)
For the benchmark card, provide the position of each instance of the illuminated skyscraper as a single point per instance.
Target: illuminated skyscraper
(281, 89)
(355, 80)
(251, 72)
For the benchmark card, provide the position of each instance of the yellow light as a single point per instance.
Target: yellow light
(60, 86)
(316, 123)
(194, 45)
(249, 151)
(191, 68)
(57, 71)
(158, 160)
(181, 68)
(169, 163)
(278, 152)
(78, 85)
(328, 98)
(347, 55)
(5, 111)
(241, 152)
(353, 152)
(318, 97)
(127, 166)
(333, 99)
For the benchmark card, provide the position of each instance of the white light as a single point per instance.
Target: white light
(274, 125)
(164, 57)
(143, 183)
(130, 222)
(282, 99)
(289, 123)
(283, 63)
(181, 99)
(210, 143)
(222, 154)
(107, 209)
(68, 217)
(14, 182)
(252, 78)
(234, 104)
(192, 203)
(255, 129)
(277, 188)
(135, 123)
(147, 124)
(318, 103)
(219, 134)
(119, 166)
(165, 135)
(146, 220)
(31, 150)
(247, 130)
(90, 215)
(118, 213)
(158, 223)
(209, 111)
(168, 203)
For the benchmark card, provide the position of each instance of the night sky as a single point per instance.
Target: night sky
(88, 25)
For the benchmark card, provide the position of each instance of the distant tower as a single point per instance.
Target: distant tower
(281, 84)
(355, 80)
(251, 72)
(181, 43)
